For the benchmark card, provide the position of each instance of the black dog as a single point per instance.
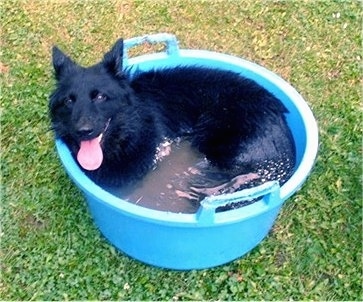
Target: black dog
(113, 122)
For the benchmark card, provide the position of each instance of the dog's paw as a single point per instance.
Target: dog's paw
(233, 185)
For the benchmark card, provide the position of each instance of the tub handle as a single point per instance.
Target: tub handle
(170, 41)
(269, 190)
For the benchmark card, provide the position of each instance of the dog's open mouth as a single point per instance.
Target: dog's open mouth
(90, 154)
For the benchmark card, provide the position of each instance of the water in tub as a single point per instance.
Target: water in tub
(167, 187)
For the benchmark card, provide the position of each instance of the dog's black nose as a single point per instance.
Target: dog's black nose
(85, 131)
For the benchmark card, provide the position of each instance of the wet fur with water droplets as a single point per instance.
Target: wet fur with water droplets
(238, 125)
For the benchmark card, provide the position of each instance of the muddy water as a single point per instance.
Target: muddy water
(183, 177)
(166, 187)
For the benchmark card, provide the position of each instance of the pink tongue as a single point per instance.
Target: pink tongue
(90, 154)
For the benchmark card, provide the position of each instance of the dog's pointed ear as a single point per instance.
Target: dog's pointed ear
(61, 62)
(112, 60)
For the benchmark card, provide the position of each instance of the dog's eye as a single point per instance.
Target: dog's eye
(68, 101)
(99, 97)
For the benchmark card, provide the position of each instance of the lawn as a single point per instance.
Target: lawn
(50, 248)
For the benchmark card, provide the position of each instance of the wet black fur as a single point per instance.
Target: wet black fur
(236, 123)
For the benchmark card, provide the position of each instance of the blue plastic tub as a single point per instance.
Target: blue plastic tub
(207, 238)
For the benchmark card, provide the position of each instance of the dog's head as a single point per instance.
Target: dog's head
(86, 100)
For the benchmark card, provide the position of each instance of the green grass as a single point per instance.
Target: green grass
(50, 248)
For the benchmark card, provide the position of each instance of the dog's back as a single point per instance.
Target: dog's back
(229, 118)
